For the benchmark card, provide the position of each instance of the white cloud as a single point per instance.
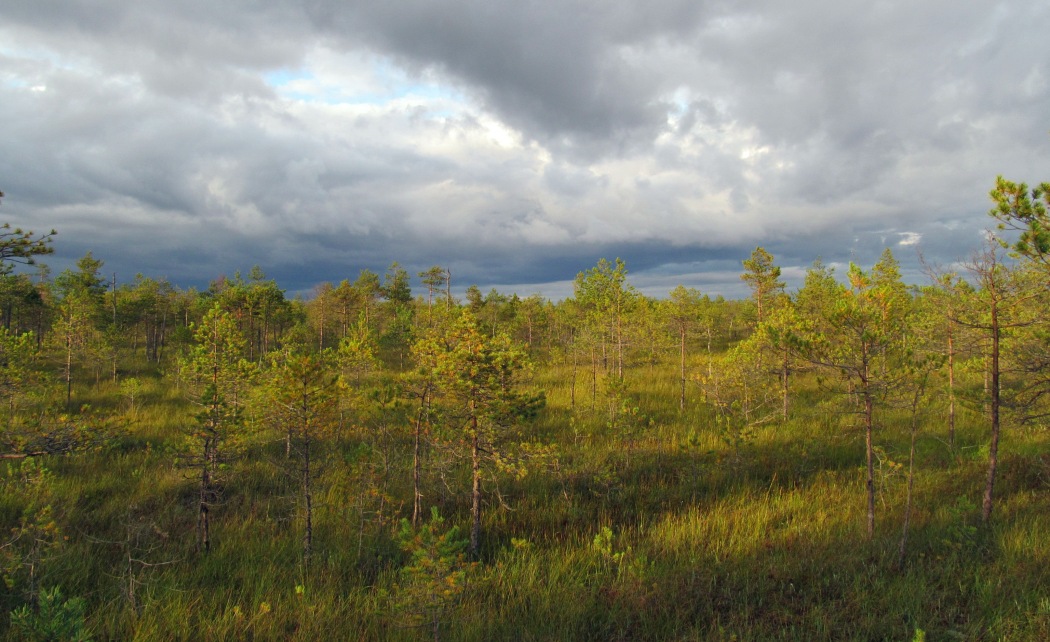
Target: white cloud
(909, 238)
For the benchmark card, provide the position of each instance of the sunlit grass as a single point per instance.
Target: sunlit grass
(663, 530)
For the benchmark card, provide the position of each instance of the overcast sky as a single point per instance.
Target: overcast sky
(516, 142)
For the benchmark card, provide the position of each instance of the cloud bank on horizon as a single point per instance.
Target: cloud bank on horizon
(515, 142)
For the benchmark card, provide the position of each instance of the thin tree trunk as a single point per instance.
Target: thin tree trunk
(203, 534)
(594, 380)
(308, 531)
(475, 493)
(575, 365)
(993, 448)
(130, 570)
(159, 352)
(619, 346)
(681, 397)
(69, 370)
(784, 372)
(320, 329)
(911, 479)
(951, 387)
(869, 421)
(710, 372)
(417, 495)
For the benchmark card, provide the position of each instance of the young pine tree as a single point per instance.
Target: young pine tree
(858, 333)
(479, 379)
(221, 373)
(305, 394)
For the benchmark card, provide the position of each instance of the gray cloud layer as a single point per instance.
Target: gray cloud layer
(516, 142)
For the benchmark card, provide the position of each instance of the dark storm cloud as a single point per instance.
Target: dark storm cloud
(563, 72)
(515, 142)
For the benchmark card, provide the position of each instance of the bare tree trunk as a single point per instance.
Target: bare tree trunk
(69, 370)
(575, 365)
(869, 424)
(594, 379)
(475, 493)
(130, 570)
(619, 346)
(911, 474)
(114, 299)
(784, 372)
(993, 448)
(710, 372)
(159, 352)
(448, 292)
(308, 499)
(320, 325)
(681, 398)
(417, 495)
(203, 530)
(951, 387)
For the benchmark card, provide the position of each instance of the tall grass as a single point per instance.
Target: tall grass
(676, 536)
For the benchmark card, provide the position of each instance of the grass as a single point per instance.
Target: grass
(672, 535)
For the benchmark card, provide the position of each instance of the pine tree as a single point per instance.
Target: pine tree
(682, 311)
(763, 277)
(858, 333)
(480, 379)
(221, 373)
(305, 395)
(604, 293)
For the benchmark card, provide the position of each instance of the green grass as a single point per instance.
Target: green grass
(674, 536)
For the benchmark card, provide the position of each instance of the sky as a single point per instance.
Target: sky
(516, 143)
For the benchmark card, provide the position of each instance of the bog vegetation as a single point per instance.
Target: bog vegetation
(857, 459)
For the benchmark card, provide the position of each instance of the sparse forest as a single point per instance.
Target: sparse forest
(860, 458)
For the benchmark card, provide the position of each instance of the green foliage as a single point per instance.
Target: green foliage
(763, 277)
(221, 376)
(434, 579)
(742, 390)
(21, 381)
(1020, 209)
(626, 421)
(86, 282)
(606, 299)
(603, 545)
(36, 535)
(479, 380)
(357, 353)
(21, 246)
(396, 286)
(48, 432)
(53, 620)
(304, 394)
(131, 389)
(960, 531)
(479, 376)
